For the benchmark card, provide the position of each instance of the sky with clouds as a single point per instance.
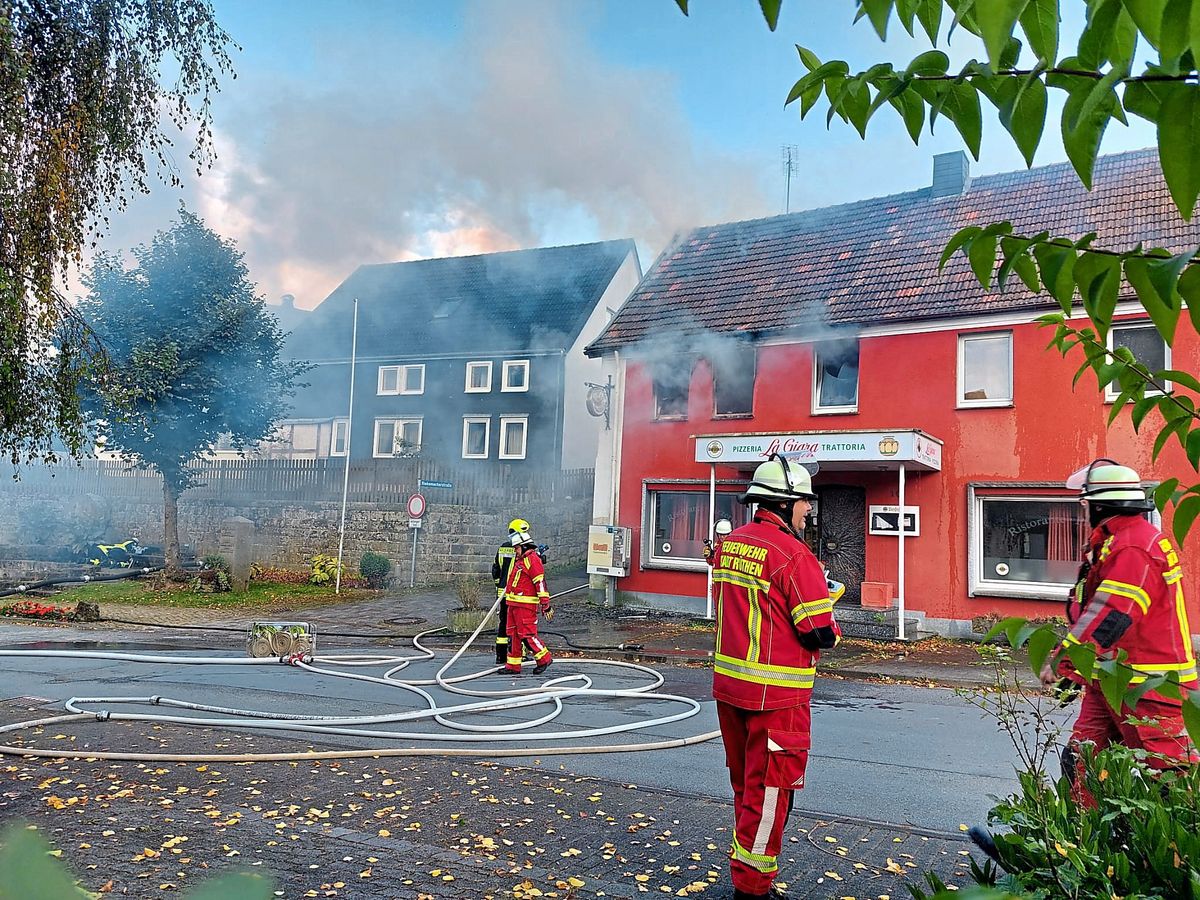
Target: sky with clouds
(367, 131)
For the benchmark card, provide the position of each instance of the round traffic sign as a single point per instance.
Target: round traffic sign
(416, 506)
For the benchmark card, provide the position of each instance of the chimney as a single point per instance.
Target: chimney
(951, 174)
(289, 302)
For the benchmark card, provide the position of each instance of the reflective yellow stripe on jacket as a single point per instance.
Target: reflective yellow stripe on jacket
(812, 608)
(763, 673)
(1121, 589)
(1187, 670)
(521, 598)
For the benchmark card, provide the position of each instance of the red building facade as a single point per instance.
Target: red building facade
(950, 397)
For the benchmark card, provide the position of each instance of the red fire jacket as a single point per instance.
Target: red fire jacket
(527, 579)
(1132, 600)
(774, 615)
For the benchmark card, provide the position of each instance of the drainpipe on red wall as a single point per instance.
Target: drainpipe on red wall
(900, 561)
(615, 424)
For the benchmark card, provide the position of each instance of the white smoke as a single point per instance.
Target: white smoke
(521, 136)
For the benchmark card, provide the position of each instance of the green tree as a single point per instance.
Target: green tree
(1101, 80)
(194, 356)
(82, 115)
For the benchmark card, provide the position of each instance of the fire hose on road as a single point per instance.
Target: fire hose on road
(554, 692)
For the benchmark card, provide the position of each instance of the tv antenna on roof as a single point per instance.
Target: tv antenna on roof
(791, 157)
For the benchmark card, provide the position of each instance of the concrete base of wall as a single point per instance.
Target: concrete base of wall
(676, 603)
(694, 606)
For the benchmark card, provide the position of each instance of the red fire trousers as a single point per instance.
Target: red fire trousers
(522, 635)
(767, 753)
(1159, 731)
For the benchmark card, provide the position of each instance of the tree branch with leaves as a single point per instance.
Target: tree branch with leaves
(83, 113)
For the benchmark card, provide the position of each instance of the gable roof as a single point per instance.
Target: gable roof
(518, 301)
(876, 260)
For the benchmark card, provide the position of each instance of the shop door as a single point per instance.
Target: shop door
(842, 536)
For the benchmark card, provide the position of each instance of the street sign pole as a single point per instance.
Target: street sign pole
(412, 574)
(416, 509)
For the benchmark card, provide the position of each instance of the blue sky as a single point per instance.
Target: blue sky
(364, 132)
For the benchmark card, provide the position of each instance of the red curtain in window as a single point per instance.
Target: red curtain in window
(1065, 541)
(700, 518)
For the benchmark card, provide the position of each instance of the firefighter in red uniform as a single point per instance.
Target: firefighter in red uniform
(1129, 597)
(721, 530)
(500, 566)
(525, 591)
(774, 616)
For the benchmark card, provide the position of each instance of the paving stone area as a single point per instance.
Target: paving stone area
(420, 828)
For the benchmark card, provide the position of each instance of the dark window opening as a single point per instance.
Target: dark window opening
(672, 380)
(837, 374)
(733, 382)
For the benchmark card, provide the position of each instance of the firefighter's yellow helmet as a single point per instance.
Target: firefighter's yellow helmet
(779, 480)
(518, 525)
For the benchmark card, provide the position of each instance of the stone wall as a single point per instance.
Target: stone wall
(454, 539)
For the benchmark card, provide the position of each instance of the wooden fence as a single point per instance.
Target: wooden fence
(238, 481)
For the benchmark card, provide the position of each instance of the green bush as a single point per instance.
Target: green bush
(29, 872)
(375, 568)
(1142, 838)
(324, 569)
(216, 561)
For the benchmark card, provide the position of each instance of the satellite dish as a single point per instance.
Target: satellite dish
(597, 401)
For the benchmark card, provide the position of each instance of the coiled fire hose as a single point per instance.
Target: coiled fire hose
(554, 692)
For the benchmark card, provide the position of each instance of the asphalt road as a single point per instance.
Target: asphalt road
(905, 755)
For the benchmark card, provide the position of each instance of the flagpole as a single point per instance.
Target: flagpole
(337, 587)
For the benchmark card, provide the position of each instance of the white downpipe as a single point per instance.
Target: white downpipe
(337, 585)
(900, 560)
(712, 536)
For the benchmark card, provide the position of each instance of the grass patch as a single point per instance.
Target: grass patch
(160, 592)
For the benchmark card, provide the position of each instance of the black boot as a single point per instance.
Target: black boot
(982, 838)
(538, 670)
(501, 652)
(773, 893)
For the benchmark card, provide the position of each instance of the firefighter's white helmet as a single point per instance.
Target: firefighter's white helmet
(1107, 483)
(722, 527)
(779, 480)
(520, 538)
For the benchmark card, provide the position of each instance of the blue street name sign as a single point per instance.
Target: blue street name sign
(435, 484)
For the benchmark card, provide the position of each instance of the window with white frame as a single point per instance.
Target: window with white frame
(338, 437)
(1147, 346)
(479, 377)
(985, 369)
(398, 437)
(515, 375)
(477, 433)
(402, 379)
(835, 376)
(679, 523)
(513, 430)
(1025, 546)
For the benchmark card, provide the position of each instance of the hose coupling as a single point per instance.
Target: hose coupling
(102, 715)
(631, 647)
(155, 699)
